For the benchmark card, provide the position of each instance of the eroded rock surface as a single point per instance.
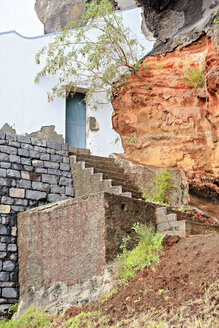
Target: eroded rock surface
(57, 15)
(176, 22)
(163, 121)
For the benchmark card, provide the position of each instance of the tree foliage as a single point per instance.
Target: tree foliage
(92, 57)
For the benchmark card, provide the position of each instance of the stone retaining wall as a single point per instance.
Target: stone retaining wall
(33, 172)
(67, 257)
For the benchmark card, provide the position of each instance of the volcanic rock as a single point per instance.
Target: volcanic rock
(55, 15)
(174, 22)
(58, 15)
(165, 121)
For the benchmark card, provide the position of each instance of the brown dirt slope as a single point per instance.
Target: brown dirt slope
(187, 269)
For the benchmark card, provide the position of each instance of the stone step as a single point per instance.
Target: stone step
(106, 168)
(126, 194)
(134, 194)
(117, 178)
(95, 159)
(78, 151)
(116, 190)
(174, 225)
(175, 233)
(130, 187)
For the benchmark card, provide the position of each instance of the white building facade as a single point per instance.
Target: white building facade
(24, 104)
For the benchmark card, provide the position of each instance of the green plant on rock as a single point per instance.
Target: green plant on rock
(97, 57)
(116, 140)
(146, 253)
(131, 139)
(159, 187)
(194, 75)
(216, 17)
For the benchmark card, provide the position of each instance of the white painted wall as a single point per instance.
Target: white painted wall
(23, 103)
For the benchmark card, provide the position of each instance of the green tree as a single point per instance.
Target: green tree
(98, 57)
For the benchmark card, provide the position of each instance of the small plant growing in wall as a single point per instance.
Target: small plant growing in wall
(131, 139)
(146, 253)
(216, 17)
(98, 57)
(159, 187)
(194, 75)
(216, 28)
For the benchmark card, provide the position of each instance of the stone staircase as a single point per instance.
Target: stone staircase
(93, 174)
(168, 224)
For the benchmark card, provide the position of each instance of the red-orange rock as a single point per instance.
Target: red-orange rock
(164, 121)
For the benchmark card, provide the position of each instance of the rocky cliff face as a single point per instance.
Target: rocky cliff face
(174, 22)
(165, 121)
(170, 22)
(57, 15)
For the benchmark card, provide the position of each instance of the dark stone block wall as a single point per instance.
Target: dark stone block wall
(33, 172)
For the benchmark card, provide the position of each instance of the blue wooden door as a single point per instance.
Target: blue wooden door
(75, 130)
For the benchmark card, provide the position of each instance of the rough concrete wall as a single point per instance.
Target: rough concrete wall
(120, 215)
(33, 172)
(71, 242)
(62, 242)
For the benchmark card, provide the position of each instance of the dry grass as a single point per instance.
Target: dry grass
(200, 313)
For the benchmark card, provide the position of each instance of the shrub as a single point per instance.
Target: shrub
(194, 76)
(159, 186)
(147, 251)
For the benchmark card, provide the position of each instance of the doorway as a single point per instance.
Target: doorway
(75, 126)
